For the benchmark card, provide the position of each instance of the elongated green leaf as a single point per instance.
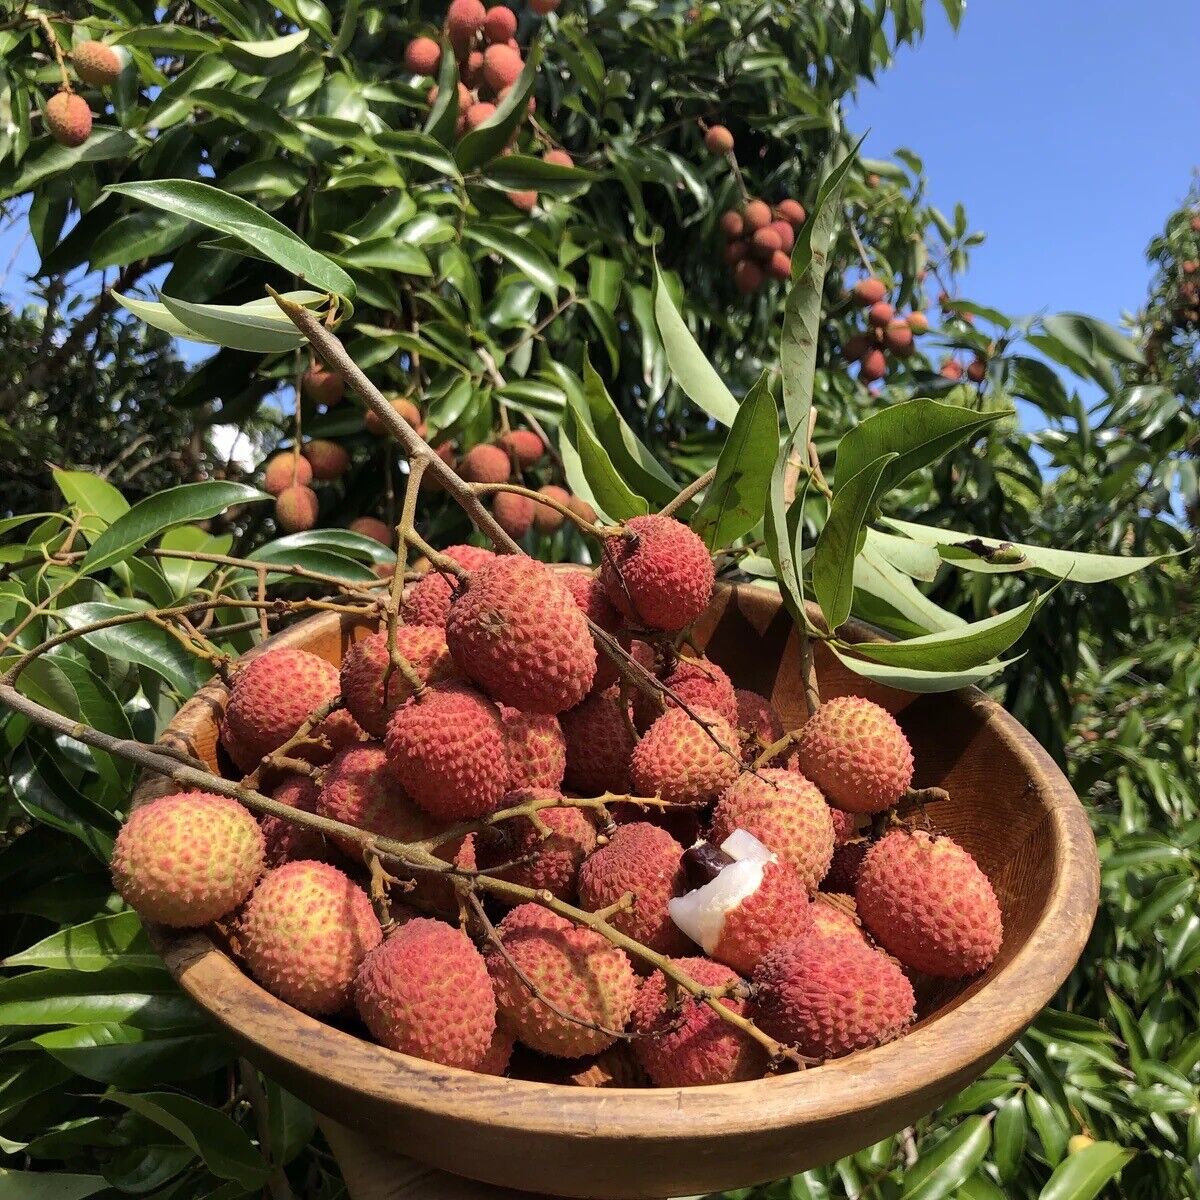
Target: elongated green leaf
(995, 557)
(1083, 1175)
(780, 546)
(516, 172)
(184, 575)
(950, 1163)
(1009, 1137)
(269, 57)
(145, 998)
(387, 254)
(91, 494)
(138, 235)
(910, 679)
(235, 326)
(612, 494)
(691, 370)
(919, 432)
(442, 122)
(137, 642)
(252, 115)
(49, 1185)
(49, 158)
(839, 543)
(802, 308)
(536, 267)
(421, 147)
(736, 500)
(156, 514)
(240, 219)
(915, 560)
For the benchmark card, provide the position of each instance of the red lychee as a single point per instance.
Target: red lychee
(977, 370)
(373, 528)
(732, 224)
(286, 470)
(422, 56)
(748, 277)
(869, 291)
(485, 464)
(792, 211)
(718, 140)
(757, 720)
(464, 20)
(592, 598)
(881, 314)
(523, 445)
(918, 322)
(327, 459)
(600, 741)
(322, 386)
(537, 751)
(96, 63)
(502, 66)
(874, 366)
(756, 215)
(514, 513)
(428, 600)
(682, 762)
(546, 519)
(284, 840)
(423, 647)
(499, 24)
(68, 118)
(296, 509)
(552, 854)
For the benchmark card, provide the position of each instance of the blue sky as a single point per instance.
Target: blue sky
(1068, 129)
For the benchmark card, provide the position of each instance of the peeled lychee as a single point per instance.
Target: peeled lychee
(423, 647)
(514, 513)
(426, 992)
(857, 754)
(682, 762)
(296, 509)
(750, 902)
(578, 970)
(517, 632)
(187, 859)
(682, 1042)
(422, 56)
(599, 743)
(305, 931)
(427, 602)
(96, 63)
(68, 118)
(524, 445)
(718, 140)
(284, 840)
(785, 812)
(485, 464)
(327, 459)
(271, 697)
(322, 386)
(647, 862)
(536, 748)
(554, 852)
(830, 996)
(447, 747)
(657, 572)
(925, 900)
(284, 471)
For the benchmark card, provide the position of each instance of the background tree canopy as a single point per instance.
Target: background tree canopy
(479, 311)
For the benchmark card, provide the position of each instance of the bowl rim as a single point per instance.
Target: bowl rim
(957, 1040)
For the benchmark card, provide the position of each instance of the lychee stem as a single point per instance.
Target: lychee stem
(52, 38)
(697, 485)
(584, 525)
(408, 515)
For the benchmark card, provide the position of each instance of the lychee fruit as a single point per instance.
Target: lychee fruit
(830, 996)
(422, 56)
(546, 519)
(869, 291)
(592, 598)
(544, 7)
(880, 314)
(732, 224)
(499, 24)
(748, 277)
(718, 140)
(977, 370)
(304, 932)
(68, 118)
(780, 266)
(537, 750)
(577, 969)
(682, 762)
(514, 513)
(757, 215)
(757, 721)
(286, 470)
(873, 367)
(785, 812)
(765, 242)
(792, 211)
(647, 862)
(787, 235)
(271, 697)
(735, 252)
(96, 63)
(402, 407)
(496, 1057)
(447, 746)
(526, 201)
(696, 681)
(479, 112)
(427, 602)
(745, 901)
(898, 338)
(284, 840)
(657, 572)
(328, 460)
(918, 322)
(426, 992)
(951, 369)
(186, 859)
(834, 915)
(582, 509)
(485, 464)
(502, 66)
(464, 20)
(559, 158)
(925, 900)
(518, 633)
(599, 742)
(682, 1042)
(296, 509)
(322, 386)
(848, 852)
(545, 858)
(857, 754)
(373, 528)
(855, 346)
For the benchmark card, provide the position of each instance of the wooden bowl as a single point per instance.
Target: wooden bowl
(1009, 806)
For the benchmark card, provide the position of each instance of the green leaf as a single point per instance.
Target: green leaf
(92, 496)
(223, 1146)
(92, 946)
(185, 575)
(949, 1164)
(387, 254)
(483, 143)
(783, 552)
(1088, 337)
(1009, 1136)
(143, 998)
(691, 370)
(136, 642)
(1083, 1175)
(49, 158)
(992, 556)
(254, 116)
(240, 219)
(443, 116)
(235, 326)
(910, 679)
(49, 1185)
(521, 172)
(736, 500)
(918, 432)
(110, 1052)
(519, 251)
(840, 541)
(612, 494)
(270, 57)
(138, 235)
(176, 506)
(802, 307)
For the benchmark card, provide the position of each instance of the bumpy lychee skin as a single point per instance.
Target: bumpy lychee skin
(592, 599)
(554, 857)
(858, 756)
(834, 920)
(537, 751)
(502, 66)
(284, 470)
(830, 996)
(757, 721)
(187, 859)
(499, 24)
(271, 697)
(547, 519)
(305, 931)
(96, 63)
(426, 992)
(868, 291)
(647, 861)
(688, 1045)
(514, 514)
(848, 852)
(577, 969)
(327, 460)
(422, 56)
(499, 1051)
(658, 572)
(464, 20)
(524, 445)
(297, 509)
(682, 762)
(698, 682)
(68, 118)
(447, 747)
(423, 647)
(599, 741)
(485, 464)
(284, 840)
(428, 600)
(786, 813)
(360, 788)
(925, 900)
(718, 140)
(518, 633)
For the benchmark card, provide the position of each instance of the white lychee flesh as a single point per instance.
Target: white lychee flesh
(701, 913)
